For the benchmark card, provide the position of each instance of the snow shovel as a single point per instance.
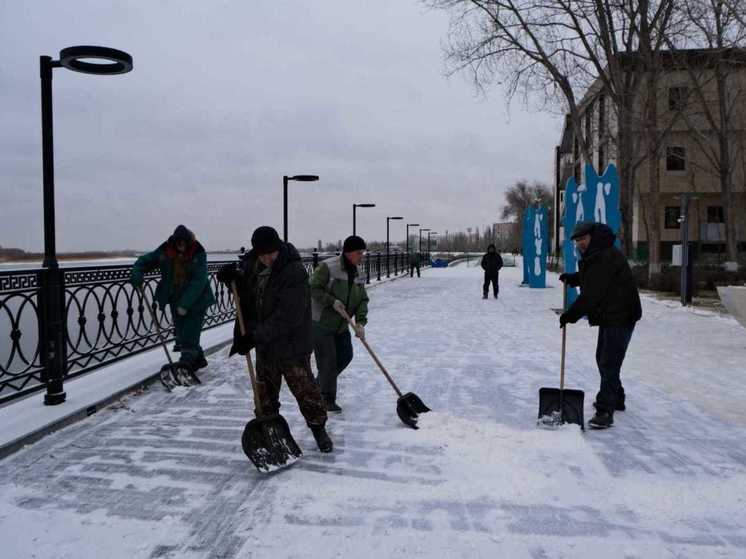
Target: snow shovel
(409, 405)
(560, 406)
(172, 374)
(266, 440)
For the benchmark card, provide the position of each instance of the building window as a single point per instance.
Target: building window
(589, 127)
(715, 214)
(672, 217)
(601, 115)
(677, 98)
(601, 158)
(676, 158)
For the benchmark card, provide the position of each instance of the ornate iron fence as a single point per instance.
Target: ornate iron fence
(105, 317)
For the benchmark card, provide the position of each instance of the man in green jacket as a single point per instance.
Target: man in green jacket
(337, 285)
(184, 286)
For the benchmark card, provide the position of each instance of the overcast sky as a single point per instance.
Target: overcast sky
(226, 97)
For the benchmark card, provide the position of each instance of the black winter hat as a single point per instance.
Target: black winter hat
(353, 243)
(582, 228)
(181, 233)
(265, 240)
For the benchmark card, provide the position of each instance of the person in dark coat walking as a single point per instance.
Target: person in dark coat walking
(415, 261)
(276, 303)
(491, 264)
(611, 301)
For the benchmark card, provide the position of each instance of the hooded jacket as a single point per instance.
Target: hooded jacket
(608, 289)
(192, 291)
(278, 324)
(333, 281)
(492, 262)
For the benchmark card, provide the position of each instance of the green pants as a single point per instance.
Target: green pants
(187, 330)
(333, 353)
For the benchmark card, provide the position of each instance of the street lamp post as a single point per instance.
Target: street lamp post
(421, 230)
(429, 233)
(388, 251)
(354, 215)
(52, 327)
(408, 226)
(285, 179)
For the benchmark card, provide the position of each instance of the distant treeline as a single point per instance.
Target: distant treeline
(18, 255)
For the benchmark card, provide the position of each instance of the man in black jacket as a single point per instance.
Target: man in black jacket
(276, 304)
(491, 264)
(610, 300)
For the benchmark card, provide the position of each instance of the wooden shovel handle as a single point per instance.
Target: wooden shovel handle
(564, 338)
(344, 315)
(249, 362)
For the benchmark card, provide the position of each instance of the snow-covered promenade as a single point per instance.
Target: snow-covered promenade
(162, 475)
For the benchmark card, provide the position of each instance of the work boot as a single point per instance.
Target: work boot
(322, 438)
(495, 295)
(484, 296)
(200, 362)
(331, 403)
(620, 399)
(602, 420)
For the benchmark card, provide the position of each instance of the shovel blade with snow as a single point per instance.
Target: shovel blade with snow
(268, 443)
(408, 408)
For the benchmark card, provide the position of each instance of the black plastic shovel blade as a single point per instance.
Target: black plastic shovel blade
(572, 405)
(268, 443)
(408, 407)
(415, 403)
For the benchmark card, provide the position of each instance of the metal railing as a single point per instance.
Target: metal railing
(105, 317)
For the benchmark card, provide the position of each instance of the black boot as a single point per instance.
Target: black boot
(620, 399)
(602, 419)
(484, 296)
(322, 438)
(331, 403)
(200, 362)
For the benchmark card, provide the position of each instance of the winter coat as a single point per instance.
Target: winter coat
(194, 293)
(415, 259)
(608, 289)
(491, 263)
(279, 327)
(332, 281)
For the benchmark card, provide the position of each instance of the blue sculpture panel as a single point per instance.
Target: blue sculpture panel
(535, 246)
(596, 199)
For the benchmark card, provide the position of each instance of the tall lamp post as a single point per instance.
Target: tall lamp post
(429, 233)
(388, 251)
(421, 230)
(285, 179)
(408, 226)
(52, 343)
(354, 215)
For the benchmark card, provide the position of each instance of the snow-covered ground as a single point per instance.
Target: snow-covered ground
(163, 475)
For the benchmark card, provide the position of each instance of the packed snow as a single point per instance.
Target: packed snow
(163, 475)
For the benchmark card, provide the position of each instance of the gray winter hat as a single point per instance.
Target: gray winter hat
(582, 228)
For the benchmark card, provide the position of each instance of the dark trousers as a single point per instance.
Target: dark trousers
(494, 279)
(297, 374)
(333, 353)
(187, 331)
(412, 268)
(610, 351)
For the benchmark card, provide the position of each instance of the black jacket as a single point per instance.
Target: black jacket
(608, 289)
(491, 263)
(281, 329)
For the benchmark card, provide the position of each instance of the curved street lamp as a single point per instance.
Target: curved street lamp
(354, 215)
(285, 179)
(421, 230)
(388, 252)
(52, 343)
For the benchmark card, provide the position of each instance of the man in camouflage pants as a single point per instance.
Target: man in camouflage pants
(276, 302)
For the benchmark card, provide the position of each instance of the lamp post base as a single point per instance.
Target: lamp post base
(54, 399)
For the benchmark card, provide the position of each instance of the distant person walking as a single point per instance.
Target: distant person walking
(337, 285)
(611, 301)
(415, 261)
(492, 262)
(184, 286)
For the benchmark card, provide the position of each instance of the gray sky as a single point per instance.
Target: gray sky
(226, 97)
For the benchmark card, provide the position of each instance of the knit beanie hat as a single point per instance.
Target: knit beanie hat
(353, 243)
(265, 240)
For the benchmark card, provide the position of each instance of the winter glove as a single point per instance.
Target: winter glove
(339, 306)
(181, 311)
(243, 344)
(564, 278)
(360, 331)
(228, 273)
(136, 281)
(564, 319)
